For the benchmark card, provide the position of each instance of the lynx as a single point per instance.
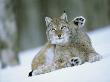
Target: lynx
(68, 43)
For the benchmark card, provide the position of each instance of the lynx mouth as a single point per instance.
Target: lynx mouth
(60, 38)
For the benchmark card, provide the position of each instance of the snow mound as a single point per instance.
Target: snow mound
(88, 72)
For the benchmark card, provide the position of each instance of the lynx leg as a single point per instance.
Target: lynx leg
(75, 61)
(60, 63)
(79, 21)
(94, 57)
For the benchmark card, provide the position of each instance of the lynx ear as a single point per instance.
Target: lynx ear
(64, 17)
(48, 20)
(79, 21)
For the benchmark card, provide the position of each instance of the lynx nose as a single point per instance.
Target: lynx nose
(59, 35)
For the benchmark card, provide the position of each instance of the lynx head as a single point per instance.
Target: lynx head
(59, 29)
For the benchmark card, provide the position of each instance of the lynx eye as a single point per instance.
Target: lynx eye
(63, 27)
(50, 25)
(53, 29)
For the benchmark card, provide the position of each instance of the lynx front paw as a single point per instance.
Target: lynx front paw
(75, 61)
(79, 21)
(93, 58)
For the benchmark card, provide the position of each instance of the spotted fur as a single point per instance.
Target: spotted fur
(69, 44)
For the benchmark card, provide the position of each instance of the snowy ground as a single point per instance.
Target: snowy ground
(88, 72)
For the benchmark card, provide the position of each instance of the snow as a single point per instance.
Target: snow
(88, 72)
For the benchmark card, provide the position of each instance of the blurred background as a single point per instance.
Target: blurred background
(22, 25)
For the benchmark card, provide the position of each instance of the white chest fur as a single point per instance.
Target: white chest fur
(49, 55)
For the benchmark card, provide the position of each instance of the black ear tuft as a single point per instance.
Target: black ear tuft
(30, 74)
(64, 16)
